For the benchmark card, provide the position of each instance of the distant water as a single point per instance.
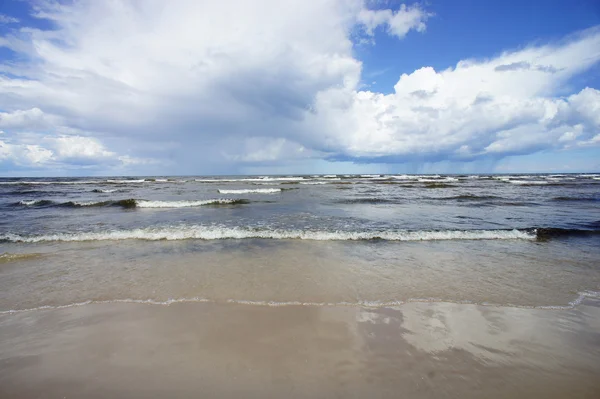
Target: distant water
(521, 240)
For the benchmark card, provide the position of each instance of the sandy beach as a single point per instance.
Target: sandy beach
(209, 350)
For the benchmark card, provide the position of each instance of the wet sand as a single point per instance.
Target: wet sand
(210, 350)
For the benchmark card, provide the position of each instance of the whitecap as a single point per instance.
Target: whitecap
(186, 232)
(251, 191)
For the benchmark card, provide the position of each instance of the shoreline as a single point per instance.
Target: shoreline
(581, 297)
(418, 349)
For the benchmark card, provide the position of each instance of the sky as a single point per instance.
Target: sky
(193, 87)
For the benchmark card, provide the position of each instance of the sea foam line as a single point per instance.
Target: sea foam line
(219, 233)
(251, 191)
(359, 304)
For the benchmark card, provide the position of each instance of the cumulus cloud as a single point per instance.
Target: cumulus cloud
(33, 139)
(5, 19)
(194, 87)
(501, 106)
(397, 23)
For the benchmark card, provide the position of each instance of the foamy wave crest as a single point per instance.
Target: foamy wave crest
(184, 204)
(250, 179)
(438, 180)
(99, 190)
(126, 181)
(252, 191)
(528, 182)
(314, 182)
(32, 202)
(220, 233)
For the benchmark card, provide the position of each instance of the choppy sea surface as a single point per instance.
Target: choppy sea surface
(370, 240)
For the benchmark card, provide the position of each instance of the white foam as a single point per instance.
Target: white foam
(312, 182)
(251, 191)
(106, 191)
(528, 182)
(30, 202)
(404, 177)
(588, 175)
(251, 179)
(219, 233)
(86, 203)
(180, 204)
(439, 180)
(113, 181)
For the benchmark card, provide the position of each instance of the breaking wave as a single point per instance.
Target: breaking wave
(218, 233)
(528, 182)
(251, 191)
(99, 190)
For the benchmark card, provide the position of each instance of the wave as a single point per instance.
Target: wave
(70, 182)
(35, 202)
(132, 203)
(99, 190)
(219, 233)
(528, 182)
(185, 204)
(97, 182)
(250, 179)
(581, 296)
(439, 185)
(509, 177)
(251, 191)
(468, 197)
(546, 233)
(46, 183)
(439, 180)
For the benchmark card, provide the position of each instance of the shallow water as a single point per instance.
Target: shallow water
(529, 241)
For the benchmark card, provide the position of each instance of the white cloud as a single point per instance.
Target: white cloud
(24, 154)
(77, 147)
(397, 23)
(24, 119)
(468, 111)
(5, 19)
(205, 86)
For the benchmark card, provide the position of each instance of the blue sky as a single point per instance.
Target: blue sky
(328, 86)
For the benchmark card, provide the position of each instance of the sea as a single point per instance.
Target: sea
(529, 241)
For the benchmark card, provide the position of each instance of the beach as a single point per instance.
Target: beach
(417, 286)
(417, 350)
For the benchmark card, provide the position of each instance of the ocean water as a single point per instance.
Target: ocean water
(370, 240)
